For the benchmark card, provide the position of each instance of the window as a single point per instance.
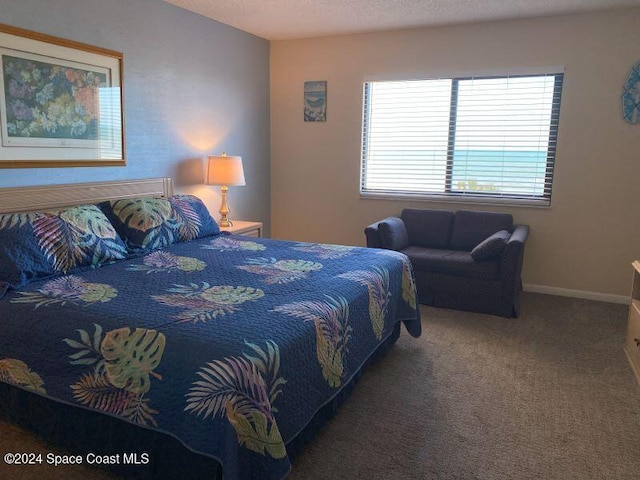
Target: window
(482, 138)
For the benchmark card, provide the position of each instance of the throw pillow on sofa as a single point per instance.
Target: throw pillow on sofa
(492, 246)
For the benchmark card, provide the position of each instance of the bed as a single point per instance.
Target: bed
(233, 349)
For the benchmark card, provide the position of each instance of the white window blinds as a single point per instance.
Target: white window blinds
(484, 138)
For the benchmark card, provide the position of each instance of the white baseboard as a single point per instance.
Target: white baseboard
(567, 292)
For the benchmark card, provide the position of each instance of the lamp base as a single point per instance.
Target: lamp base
(225, 222)
(224, 209)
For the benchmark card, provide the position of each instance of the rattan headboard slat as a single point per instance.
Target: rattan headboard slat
(50, 197)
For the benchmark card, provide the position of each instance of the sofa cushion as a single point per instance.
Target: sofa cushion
(393, 234)
(452, 262)
(492, 246)
(470, 228)
(428, 228)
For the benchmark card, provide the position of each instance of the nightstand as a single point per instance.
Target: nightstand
(632, 343)
(249, 229)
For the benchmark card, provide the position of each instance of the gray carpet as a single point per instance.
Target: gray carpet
(548, 396)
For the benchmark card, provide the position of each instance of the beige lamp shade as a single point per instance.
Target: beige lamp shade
(225, 171)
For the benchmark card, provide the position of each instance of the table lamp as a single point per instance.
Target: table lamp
(225, 171)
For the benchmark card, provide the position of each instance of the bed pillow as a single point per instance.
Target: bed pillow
(492, 246)
(147, 223)
(38, 245)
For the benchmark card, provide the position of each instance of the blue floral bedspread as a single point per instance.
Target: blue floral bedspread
(228, 343)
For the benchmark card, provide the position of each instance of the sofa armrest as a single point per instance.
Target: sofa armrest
(519, 236)
(373, 236)
(393, 234)
(389, 233)
(511, 266)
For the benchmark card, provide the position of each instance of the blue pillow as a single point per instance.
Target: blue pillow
(38, 245)
(492, 246)
(147, 223)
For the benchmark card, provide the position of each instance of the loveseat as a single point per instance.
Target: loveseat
(467, 260)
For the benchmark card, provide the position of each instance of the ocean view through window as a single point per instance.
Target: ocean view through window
(490, 138)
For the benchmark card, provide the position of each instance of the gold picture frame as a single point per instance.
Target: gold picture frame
(61, 102)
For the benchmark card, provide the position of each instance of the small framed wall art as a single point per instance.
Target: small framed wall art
(60, 102)
(315, 101)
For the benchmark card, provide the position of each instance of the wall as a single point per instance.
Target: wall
(583, 244)
(192, 87)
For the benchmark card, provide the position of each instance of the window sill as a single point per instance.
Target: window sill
(479, 200)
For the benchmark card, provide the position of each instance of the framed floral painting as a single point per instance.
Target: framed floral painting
(60, 102)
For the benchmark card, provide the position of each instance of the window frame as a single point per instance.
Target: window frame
(449, 195)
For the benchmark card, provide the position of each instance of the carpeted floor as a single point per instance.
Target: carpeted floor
(549, 395)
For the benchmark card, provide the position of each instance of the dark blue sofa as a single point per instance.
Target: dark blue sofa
(467, 260)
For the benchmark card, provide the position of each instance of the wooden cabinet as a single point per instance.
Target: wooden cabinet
(249, 229)
(632, 344)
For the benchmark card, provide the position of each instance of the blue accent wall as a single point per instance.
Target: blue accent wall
(192, 87)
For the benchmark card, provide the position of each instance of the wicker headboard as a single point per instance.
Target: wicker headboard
(50, 197)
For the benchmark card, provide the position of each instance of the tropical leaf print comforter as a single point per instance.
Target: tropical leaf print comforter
(229, 344)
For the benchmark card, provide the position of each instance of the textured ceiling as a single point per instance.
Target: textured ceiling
(287, 19)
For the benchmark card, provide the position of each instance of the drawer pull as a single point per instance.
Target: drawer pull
(637, 340)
